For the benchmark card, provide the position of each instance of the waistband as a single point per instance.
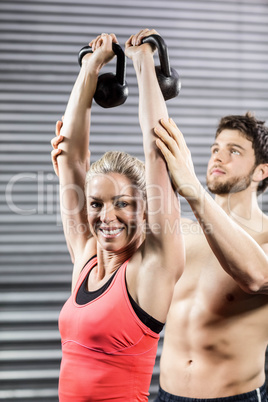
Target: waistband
(258, 395)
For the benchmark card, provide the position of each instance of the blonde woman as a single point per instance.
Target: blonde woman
(130, 252)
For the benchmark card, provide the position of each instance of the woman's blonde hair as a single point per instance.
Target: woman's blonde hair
(122, 163)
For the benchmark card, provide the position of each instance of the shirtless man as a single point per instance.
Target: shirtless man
(217, 327)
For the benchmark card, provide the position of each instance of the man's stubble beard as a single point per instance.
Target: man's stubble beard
(234, 185)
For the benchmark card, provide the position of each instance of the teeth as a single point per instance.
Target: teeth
(111, 232)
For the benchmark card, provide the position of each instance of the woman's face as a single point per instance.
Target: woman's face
(116, 211)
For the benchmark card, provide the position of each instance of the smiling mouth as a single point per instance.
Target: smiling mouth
(111, 232)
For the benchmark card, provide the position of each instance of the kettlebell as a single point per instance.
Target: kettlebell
(112, 89)
(168, 78)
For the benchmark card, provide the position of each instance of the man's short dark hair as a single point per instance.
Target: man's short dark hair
(255, 131)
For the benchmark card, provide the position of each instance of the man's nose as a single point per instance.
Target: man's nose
(220, 156)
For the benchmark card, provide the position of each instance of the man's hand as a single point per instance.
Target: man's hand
(57, 151)
(172, 144)
(55, 143)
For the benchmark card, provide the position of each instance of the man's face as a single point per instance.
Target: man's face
(232, 163)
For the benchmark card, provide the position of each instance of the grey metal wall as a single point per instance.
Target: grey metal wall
(220, 49)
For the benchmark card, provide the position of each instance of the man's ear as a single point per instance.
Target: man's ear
(261, 172)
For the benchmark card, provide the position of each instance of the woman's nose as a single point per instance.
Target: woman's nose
(108, 214)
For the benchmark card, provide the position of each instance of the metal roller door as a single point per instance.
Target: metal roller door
(220, 49)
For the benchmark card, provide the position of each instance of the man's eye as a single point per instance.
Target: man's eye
(214, 150)
(235, 151)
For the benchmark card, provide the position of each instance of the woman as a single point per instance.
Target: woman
(128, 254)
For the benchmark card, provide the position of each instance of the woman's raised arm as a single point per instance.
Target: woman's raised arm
(163, 260)
(72, 157)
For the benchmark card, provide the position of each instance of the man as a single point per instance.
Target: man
(217, 327)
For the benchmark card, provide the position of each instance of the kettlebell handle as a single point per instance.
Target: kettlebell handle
(120, 65)
(168, 78)
(159, 42)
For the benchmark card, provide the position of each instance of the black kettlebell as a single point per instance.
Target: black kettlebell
(112, 89)
(168, 78)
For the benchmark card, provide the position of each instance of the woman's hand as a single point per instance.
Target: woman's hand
(133, 44)
(102, 50)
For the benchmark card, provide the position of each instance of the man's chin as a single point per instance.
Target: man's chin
(217, 190)
(227, 188)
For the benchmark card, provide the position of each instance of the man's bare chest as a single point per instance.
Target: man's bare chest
(207, 287)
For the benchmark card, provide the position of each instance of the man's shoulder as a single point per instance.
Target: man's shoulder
(265, 219)
(260, 232)
(186, 223)
(265, 228)
(265, 224)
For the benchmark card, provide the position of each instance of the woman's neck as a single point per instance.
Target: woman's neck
(109, 262)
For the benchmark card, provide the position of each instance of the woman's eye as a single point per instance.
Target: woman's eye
(121, 204)
(95, 205)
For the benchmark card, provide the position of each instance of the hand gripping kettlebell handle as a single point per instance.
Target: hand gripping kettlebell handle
(112, 89)
(159, 42)
(168, 78)
(121, 60)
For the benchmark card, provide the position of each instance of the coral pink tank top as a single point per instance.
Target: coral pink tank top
(108, 354)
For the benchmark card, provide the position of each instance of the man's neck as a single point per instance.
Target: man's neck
(242, 207)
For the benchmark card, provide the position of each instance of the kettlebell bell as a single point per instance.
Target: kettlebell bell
(168, 78)
(112, 89)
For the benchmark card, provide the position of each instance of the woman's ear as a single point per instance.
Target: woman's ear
(145, 215)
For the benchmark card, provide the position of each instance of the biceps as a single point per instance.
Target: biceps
(265, 248)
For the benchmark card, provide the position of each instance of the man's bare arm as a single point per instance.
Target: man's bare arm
(238, 253)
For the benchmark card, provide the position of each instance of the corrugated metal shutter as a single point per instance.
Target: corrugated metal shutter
(220, 49)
